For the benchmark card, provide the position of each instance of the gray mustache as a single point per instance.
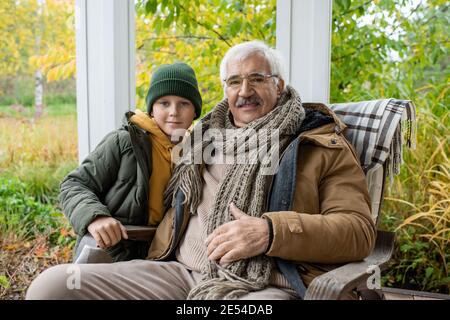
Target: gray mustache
(252, 100)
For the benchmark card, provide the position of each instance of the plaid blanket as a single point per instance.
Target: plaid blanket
(377, 130)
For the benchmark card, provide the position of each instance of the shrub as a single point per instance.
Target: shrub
(23, 214)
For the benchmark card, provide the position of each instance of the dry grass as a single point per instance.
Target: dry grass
(417, 207)
(432, 218)
(437, 210)
(47, 141)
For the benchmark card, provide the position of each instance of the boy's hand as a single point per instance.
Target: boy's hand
(107, 231)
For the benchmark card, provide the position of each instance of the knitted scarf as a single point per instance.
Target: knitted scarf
(245, 184)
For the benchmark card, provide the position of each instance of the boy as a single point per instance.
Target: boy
(122, 181)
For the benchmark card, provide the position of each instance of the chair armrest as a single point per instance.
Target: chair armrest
(92, 254)
(331, 285)
(140, 233)
(86, 240)
(89, 254)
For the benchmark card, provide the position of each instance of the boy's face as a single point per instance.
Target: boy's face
(173, 114)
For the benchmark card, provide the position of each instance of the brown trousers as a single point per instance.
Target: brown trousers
(136, 279)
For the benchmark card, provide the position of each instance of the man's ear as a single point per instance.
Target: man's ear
(280, 86)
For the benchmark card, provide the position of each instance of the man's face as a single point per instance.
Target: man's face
(249, 102)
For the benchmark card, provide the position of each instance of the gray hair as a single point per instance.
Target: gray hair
(246, 49)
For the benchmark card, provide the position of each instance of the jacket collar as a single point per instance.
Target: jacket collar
(340, 125)
(326, 134)
(143, 121)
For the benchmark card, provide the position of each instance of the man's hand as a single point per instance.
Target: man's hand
(107, 231)
(242, 238)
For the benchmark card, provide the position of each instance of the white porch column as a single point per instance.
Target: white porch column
(304, 38)
(105, 68)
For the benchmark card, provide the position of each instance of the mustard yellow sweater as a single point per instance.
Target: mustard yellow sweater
(161, 164)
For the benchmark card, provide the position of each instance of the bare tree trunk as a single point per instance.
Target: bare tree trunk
(38, 93)
(38, 76)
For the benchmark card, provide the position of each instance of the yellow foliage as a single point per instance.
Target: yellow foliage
(203, 48)
(37, 39)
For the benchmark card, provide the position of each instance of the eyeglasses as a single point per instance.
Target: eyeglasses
(254, 80)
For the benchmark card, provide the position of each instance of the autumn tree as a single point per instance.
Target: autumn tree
(388, 48)
(55, 42)
(198, 33)
(37, 40)
(17, 39)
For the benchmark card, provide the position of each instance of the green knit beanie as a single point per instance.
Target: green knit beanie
(176, 79)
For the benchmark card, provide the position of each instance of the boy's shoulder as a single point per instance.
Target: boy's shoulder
(124, 137)
(119, 138)
(129, 134)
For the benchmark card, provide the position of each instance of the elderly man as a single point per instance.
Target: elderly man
(233, 227)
